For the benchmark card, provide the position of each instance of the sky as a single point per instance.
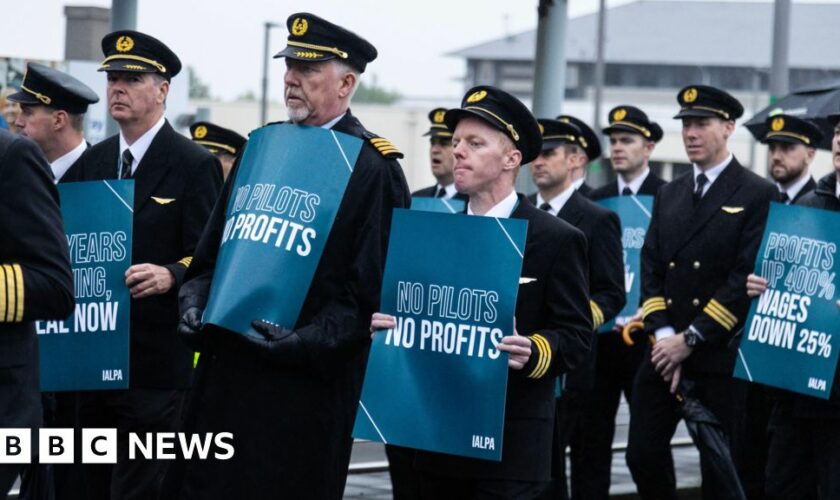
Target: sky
(223, 39)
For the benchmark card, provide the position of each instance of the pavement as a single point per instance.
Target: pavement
(377, 485)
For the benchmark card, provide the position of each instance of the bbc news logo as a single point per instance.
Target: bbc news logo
(99, 446)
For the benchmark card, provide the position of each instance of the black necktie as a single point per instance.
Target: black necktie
(699, 182)
(546, 207)
(784, 198)
(127, 159)
(441, 192)
(626, 191)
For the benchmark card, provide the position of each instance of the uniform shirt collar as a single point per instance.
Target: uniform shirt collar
(449, 189)
(837, 188)
(141, 145)
(501, 210)
(796, 187)
(578, 183)
(558, 202)
(330, 124)
(712, 173)
(61, 165)
(635, 184)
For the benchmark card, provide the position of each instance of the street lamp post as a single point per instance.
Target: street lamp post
(264, 97)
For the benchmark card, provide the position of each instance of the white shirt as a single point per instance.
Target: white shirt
(501, 210)
(558, 202)
(63, 163)
(796, 188)
(449, 191)
(837, 189)
(330, 124)
(578, 183)
(711, 174)
(635, 185)
(141, 145)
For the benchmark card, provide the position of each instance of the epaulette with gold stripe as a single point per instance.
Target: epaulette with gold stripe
(543, 356)
(721, 314)
(597, 315)
(11, 293)
(653, 305)
(186, 261)
(385, 147)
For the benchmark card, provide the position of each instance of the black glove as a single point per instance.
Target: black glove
(189, 329)
(278, 344)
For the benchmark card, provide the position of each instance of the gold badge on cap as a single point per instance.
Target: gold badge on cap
(299, 26)
(619, 114)
(438, 118)
(477, 96)
(777, 124)
(200, 132)
(564, 120)
(690, 95)
(125, 43)
(542, 129)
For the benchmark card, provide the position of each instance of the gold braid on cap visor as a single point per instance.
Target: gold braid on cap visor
(507, 125)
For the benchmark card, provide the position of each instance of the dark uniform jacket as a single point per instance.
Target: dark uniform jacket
(429, 192)
(650, 186)
(175, 186)
(824, 197)
(585, 189)
(807, 188)
(607, 295)
(554, 310)
(292, 423)
(695, 261)
(35, 277)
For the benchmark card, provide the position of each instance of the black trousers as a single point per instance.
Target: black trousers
(570, 408)
(615, 371)
(749, 438)
(803, 456)
(130, 411)
(56, 481)
(405, 479)
(654, 417)
(435, 487)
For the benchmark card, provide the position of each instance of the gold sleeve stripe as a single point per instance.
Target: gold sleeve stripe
(544, 350)
(540, 358)
(547, 359)
(720, 314)
(186, 261)
(597, 314)
(3, 294)
(11, 301)
(538, 367)
(719, 319)
(723, 310)
(19, 298)
(652, 305)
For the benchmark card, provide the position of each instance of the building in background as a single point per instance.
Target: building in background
(653, 49)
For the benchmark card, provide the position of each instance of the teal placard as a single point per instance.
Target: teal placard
(90, 349)
(634, 212)
(450, 206)
(285, 197)
(791, 336)
(437, 381)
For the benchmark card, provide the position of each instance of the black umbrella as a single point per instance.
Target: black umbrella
(813, 102)
(708, 435)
